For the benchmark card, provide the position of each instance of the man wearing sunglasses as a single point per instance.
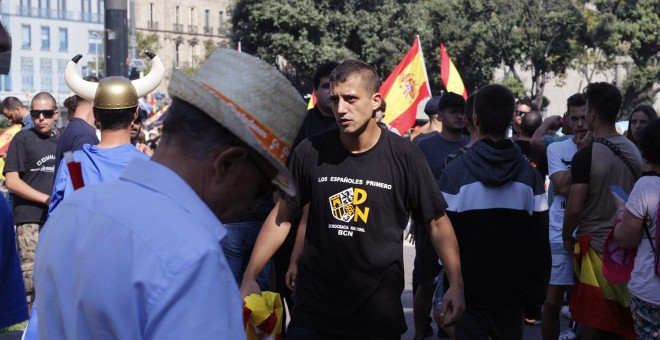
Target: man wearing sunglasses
(523, 106)
(29, 172)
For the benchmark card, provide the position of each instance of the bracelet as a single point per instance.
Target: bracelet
(618, 218)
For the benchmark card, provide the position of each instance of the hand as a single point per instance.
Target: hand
(249, 287)
(553, 122)
(408, 236)
(291, 276)
(618, 201)
(145, 149)
(453, 306)
(569, 245)
(588, 138)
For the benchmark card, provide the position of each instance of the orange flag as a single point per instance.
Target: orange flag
(451, 79)
(312, 101)
(405, 87)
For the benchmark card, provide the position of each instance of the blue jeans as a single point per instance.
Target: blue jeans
(237, 246)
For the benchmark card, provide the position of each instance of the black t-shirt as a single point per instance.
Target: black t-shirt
(32, 155)
(314, 123)
(536, 159)
(351, 272)
(76, 134)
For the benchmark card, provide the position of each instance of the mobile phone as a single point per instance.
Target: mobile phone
(619, 192)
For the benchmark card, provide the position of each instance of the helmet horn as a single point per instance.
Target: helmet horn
(83, 88)
(151, 80)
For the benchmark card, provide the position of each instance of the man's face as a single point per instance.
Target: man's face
(322, 92)
(41, 112)
(519, 113)
(452, 118)
(577, 121)
(136, 127)
(352, 105)
(12, 115)
(589, 116)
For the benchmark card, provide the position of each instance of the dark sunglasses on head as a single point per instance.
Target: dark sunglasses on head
(520, 113)
(46, 113)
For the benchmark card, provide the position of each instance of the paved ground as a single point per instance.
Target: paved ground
(531, 332)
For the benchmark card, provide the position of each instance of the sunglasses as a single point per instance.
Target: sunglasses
(520, 113)
(47, 113)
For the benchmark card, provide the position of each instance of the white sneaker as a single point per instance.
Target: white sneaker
(567, 335)
(566, 312)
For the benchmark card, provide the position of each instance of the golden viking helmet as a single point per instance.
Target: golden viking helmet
(114, 92)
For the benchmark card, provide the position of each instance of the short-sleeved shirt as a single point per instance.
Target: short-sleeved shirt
(76, 134)
(13, 308)
(351, 271)
(560, 155)
(32, 155)
(643, 204)
(315, 122)
(597, 166)
(436, 149)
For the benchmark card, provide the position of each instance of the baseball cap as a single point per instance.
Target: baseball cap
(432, 106)
(252, 100)
(451, 99)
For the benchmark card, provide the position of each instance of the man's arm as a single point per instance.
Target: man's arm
(574, 206)
(537, 142)
(292, 272)
(22, 189)
(561, 181)
(446, 246)
(272, 235)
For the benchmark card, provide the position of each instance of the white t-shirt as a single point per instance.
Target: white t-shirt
(643, 202)
(560, 155)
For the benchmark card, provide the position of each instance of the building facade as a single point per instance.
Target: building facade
(185, 29)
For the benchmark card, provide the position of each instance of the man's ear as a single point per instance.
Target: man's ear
(376, 100)
(225, 158)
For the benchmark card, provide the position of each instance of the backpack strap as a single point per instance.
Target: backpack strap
(617, 152)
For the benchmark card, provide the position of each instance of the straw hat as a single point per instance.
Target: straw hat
(252, 100)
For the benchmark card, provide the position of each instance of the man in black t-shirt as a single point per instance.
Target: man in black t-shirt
(360, 184)
(29, 172)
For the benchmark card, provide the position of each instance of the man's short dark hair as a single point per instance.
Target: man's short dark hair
(45, 95)
(650, 143)
(323, 70)
(526, 101)
(114, 119)
(383, 106)
(575, 100)
(71, 103)
(493, 105)
(11, 103)
(605, 99)
(530, 122)
(194, 130)
(350, 68)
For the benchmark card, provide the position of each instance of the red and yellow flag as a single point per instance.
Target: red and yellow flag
(312, 101)
(6, 136)
(405, 87)
(451, 79)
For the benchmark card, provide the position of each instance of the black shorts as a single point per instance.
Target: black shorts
(494, 322)
(426, 259)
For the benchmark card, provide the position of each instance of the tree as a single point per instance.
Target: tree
(630, 29)
(307, 33)
(147, 41)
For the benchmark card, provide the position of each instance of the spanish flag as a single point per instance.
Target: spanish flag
(6, 136)
(312, 101)
(450, 77)
(405, 87)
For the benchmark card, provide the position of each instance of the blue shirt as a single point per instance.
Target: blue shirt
(136, 258)
(13, 307)
(97, 165)
(436, 149)
(27, 122)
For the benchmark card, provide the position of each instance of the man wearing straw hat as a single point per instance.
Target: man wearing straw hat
(140, 257)
(361, 184)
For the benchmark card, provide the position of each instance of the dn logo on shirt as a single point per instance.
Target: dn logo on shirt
(345, 205)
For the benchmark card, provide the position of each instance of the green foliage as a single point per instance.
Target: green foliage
(147, 41)
(4, 122)
(516, 86)
(630, 28)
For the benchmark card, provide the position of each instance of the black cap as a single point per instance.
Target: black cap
(451, 99)
(431, 107)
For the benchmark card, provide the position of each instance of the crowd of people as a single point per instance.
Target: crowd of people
(246, 194)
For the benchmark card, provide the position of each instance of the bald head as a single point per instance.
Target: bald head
(530, 122)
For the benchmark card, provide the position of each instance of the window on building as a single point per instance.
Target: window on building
(25, 7)
(64, 39)
(61, 84)
(5, 82)
(45, 37)
(207, 22)
(177, 16)
(221, 19)
(61, 9)
(95, 42)
(46, 73)
(176, 60)
(151, 11)
(27, 36)
(44, 8)
(86, 10)
(27, 74)
(101, 11)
